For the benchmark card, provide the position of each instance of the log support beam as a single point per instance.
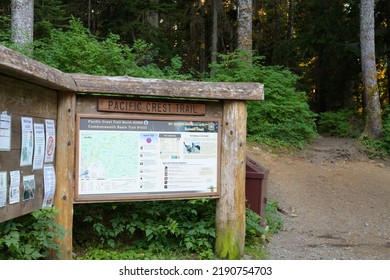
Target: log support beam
(230, 212)
(65, 159)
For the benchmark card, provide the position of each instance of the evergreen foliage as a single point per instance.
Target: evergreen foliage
(5, 31)
(76, 50)
(284, 117)
(343, 123)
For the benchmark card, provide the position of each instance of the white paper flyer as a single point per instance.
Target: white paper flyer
(5, 132)
(26, 152)
(14, 187)
(49, 181)
(3, 188)
(39, 147)
(50, 140)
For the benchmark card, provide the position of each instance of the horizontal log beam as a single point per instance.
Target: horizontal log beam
(168, 88)
(18, 66)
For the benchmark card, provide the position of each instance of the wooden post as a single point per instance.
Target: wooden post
(65, 153)
(230, 212)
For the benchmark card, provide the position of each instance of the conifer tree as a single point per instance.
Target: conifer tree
(373, 128)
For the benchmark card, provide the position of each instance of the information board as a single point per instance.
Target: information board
(140, 158)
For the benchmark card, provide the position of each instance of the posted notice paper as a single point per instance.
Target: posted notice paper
(26, 153)
(39, 148)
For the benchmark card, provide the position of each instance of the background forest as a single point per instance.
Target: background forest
(305, 52)
(309, 48)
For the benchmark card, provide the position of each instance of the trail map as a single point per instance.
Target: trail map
(147, 156)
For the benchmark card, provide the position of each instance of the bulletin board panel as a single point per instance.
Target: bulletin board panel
(22, 187)
(127, 158)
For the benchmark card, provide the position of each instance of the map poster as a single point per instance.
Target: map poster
(133, 157)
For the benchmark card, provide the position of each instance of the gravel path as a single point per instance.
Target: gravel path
(337, 202)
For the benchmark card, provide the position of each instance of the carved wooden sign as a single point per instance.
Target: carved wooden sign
(151, 107)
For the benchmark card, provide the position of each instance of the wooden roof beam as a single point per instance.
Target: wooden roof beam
(21, 67)
(168, 88)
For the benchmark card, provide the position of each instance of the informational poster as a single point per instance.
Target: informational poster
(5, 132)
(3, 188)
(14, 187)
(147, 156)
(39, 145)
(26, 153)
(49, 182)
(50, 140)
(28, 187)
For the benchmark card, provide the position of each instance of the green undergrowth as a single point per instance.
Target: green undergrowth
(349, 124)
(183, 229)
(283, 118)
(380, 148)
(30, 237)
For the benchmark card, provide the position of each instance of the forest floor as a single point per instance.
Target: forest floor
(335, 201)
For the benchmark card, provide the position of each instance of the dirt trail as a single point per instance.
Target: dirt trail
(337, 201)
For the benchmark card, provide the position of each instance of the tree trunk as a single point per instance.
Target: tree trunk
(202, 39)
(290, 27)
(373, 127)
(89, 15)
(214, 39)
(244, 25)
(388, 75)
(22, 23)
(152, 15)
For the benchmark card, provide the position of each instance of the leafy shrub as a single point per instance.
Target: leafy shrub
(186, 225)
(157, 229)
(380, 148)
(386, 131)
(5, 31)
(274, 221)
(76, 50)
(343, 123)
(30, 237)
(284, 117)
(253, 228)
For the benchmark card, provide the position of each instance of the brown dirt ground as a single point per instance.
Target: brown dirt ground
(336, 201)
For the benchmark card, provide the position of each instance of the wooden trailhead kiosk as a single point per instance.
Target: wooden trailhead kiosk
(76, 138)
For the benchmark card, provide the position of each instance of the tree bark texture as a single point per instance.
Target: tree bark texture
(290, 27)
(244, 25)
(65, 174)
(168, 88)
(152, 16)
(373, 127)
(202, 38)
(214, 39)
(22, 22)
(230, 212)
